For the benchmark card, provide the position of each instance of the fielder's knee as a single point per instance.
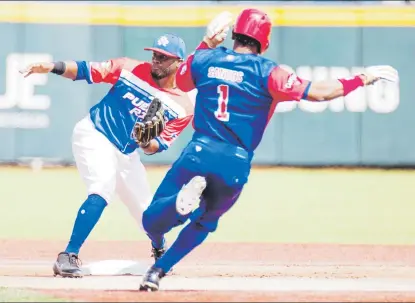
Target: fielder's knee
(98, 192)
(95, 199)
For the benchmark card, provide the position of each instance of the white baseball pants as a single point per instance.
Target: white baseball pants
(106, 171)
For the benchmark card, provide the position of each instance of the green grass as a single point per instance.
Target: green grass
(22, 295)
(278, 205)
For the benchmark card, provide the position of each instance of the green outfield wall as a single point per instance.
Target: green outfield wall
(371, 126)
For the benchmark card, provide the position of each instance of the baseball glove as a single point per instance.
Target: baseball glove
(152, 124)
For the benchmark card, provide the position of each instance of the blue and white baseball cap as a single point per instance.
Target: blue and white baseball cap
(169, 45)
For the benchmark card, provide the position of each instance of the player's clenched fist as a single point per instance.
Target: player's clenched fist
(218, 29)
(37, 68)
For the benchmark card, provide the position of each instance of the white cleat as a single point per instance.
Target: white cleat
(188, 198)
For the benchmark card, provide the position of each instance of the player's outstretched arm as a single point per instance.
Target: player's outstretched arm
(92, 72)
(331, 89)
(67, 69)
(285, 85)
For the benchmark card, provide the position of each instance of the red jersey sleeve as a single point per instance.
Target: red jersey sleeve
(184, 78)
(107, 71)
(286, 86)
(172, 130)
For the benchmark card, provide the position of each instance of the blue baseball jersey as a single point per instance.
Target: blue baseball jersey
(128, 99)
(237, 93)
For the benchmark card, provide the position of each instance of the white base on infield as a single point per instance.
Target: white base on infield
(115, 268)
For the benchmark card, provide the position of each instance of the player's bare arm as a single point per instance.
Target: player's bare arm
(67, 69)
(285, 85)
(92, 72)
(331, 89)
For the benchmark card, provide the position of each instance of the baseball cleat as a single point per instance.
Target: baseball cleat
(151, 279)
(188, 198)
(157, 253)
(67, 266)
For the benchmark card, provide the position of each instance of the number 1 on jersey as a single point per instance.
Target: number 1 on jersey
(222, 113)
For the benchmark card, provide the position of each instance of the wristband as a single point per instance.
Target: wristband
(58, 68)
(350, 85)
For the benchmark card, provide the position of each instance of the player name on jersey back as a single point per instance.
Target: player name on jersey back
(225, 74)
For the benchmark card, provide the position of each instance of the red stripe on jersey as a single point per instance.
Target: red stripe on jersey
(107, 71)
(174, 128)
(184, 78)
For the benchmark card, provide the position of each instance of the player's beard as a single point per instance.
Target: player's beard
(161, 73)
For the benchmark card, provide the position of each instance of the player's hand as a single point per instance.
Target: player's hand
(37, 68)
(379, 72)
(218, 29)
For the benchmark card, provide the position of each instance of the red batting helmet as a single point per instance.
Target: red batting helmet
(255, 24)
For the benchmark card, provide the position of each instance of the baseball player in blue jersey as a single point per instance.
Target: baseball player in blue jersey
(104, 146)
(238, 90)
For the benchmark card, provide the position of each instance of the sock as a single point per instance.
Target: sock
(189, 238)
(159, 218)
(159, 243)
(88, 216)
